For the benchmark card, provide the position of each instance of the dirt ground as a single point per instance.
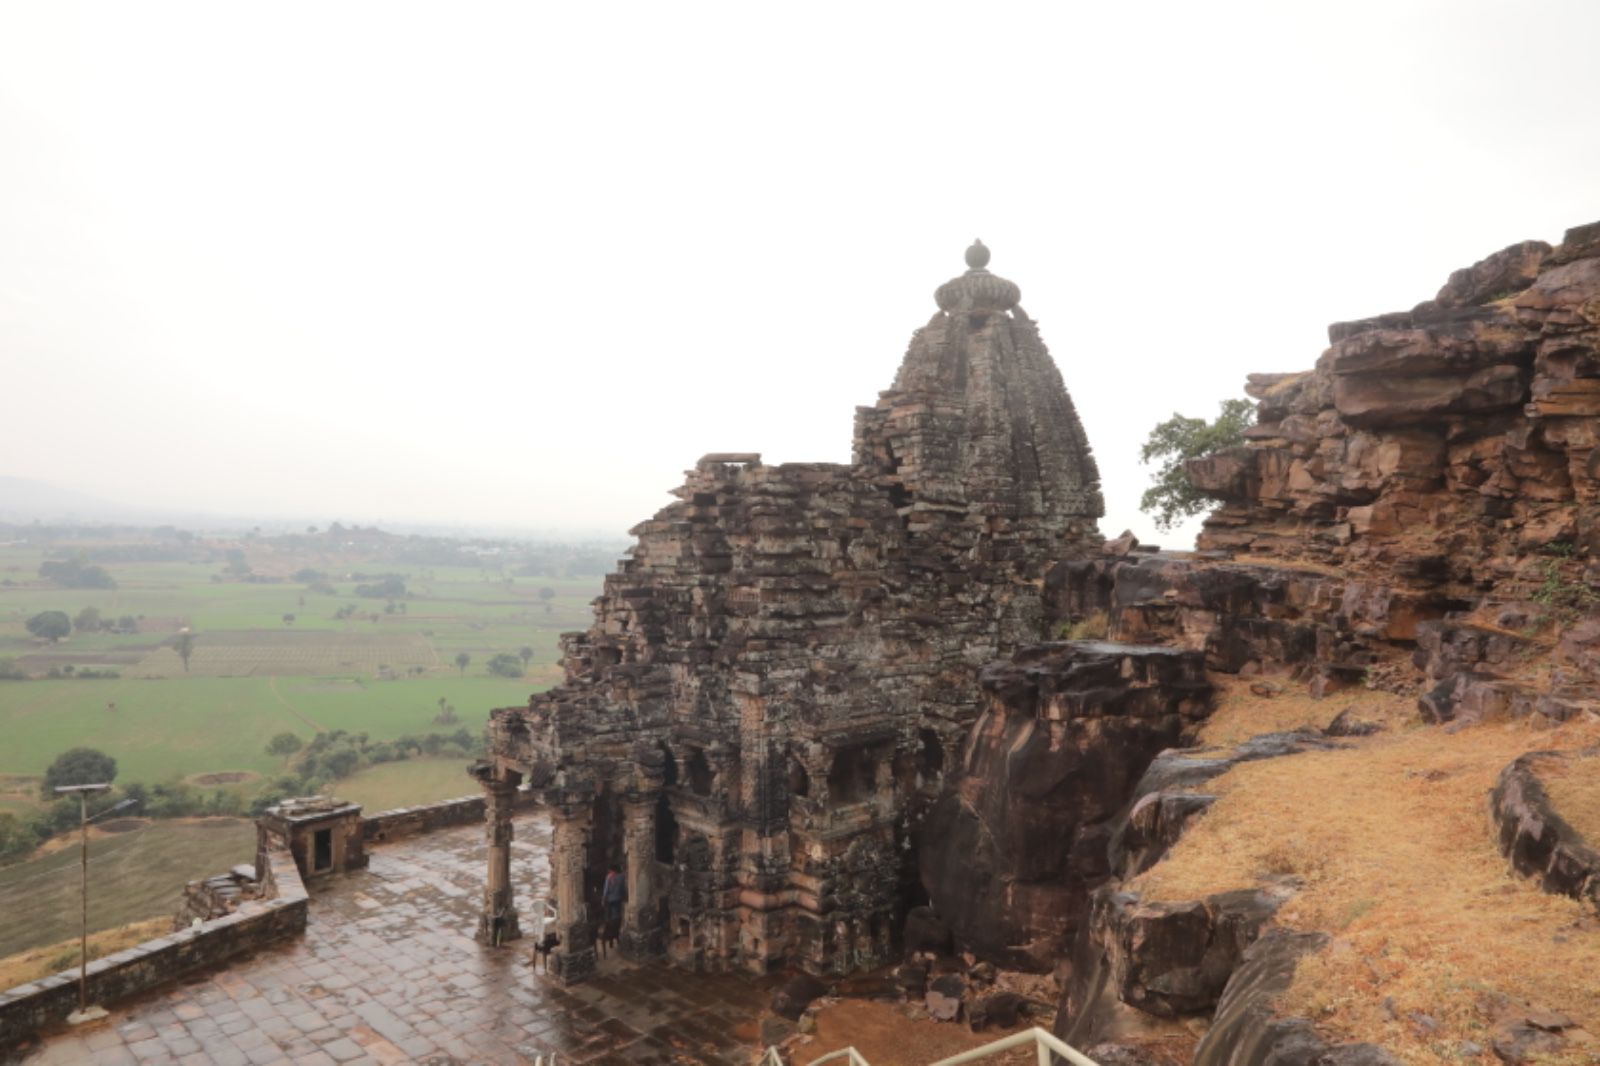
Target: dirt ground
(885, 1035)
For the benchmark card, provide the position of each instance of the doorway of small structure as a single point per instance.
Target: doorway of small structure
(605, 847)
(322, 851)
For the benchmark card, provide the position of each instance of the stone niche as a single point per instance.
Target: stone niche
(323, 834)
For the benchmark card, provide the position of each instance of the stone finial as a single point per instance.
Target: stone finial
(977, 289)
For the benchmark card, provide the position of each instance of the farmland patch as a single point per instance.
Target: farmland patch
(133, 875)
(224, 777)
(289, 653)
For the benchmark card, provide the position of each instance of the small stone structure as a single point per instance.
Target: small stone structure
(778, 679)
(324, 834)
(218, 895)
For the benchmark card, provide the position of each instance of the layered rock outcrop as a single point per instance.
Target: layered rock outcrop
(1536, 838)
(1442, 450)
(1414, 511)
(1248, 1031)
(1010, 852)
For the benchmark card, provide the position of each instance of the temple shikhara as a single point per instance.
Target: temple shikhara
(779, 678)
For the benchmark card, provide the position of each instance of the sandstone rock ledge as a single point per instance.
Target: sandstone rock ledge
(1010, 852)
(1534, 836)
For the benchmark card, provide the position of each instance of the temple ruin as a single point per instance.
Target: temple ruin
(779, 675)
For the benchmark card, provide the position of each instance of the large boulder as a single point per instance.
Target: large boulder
(1000, 1010)
(1534, 836)
(1446, 648)
(944, 997)
(1008, 855)
(1174, 958)
(1494, 277)
(926, 931)
(1472, 697)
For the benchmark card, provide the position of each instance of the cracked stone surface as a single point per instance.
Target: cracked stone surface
(388, 972)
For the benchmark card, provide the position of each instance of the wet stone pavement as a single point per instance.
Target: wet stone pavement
(388, 972)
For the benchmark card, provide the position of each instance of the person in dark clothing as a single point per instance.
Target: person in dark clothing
(612, 894)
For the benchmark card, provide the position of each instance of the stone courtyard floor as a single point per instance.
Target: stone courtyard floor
(388, 972)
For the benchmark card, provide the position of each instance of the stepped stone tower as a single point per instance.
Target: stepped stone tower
(780, 674)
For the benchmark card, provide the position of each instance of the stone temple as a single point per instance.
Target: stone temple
(779, 676)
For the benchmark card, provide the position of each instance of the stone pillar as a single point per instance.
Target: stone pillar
(641, 937)
(574, 958)
(497, 923)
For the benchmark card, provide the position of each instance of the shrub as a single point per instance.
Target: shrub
(74, 574)
(78, 766)
(505, 664)
(1094, 627)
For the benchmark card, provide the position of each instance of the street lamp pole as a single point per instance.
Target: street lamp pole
(84, 1013)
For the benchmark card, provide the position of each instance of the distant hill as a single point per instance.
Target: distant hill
(26, 500)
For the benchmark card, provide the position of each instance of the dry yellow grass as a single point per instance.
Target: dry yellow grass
(1240, 714)
(50, 959)
(1391, 840)
(1574, 787)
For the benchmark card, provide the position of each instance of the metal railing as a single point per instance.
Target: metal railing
(1046, 1045)
(849, 1054)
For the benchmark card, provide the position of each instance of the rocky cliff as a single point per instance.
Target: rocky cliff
(1404, 565)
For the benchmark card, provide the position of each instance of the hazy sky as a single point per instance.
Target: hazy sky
(522, 264)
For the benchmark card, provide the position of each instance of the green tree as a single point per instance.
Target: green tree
(184, 646)
(75, 574)
(392, 586)
(463, 660)
(87, 620)
(341, 762)
(505, 665)
(50, 625)
(1172, 497)
(525, 653)
(79, 766)
(17, 837)
(284, 745)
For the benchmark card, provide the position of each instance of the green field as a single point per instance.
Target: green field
(408, 784)
(345, 661)
(162, 730)
(135, 874)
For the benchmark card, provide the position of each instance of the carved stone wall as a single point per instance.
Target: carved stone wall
(788, 658)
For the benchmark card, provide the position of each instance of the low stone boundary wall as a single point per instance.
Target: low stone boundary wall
(26, 1009)
(408, 821)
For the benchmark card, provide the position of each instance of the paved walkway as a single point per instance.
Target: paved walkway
(388, 972)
